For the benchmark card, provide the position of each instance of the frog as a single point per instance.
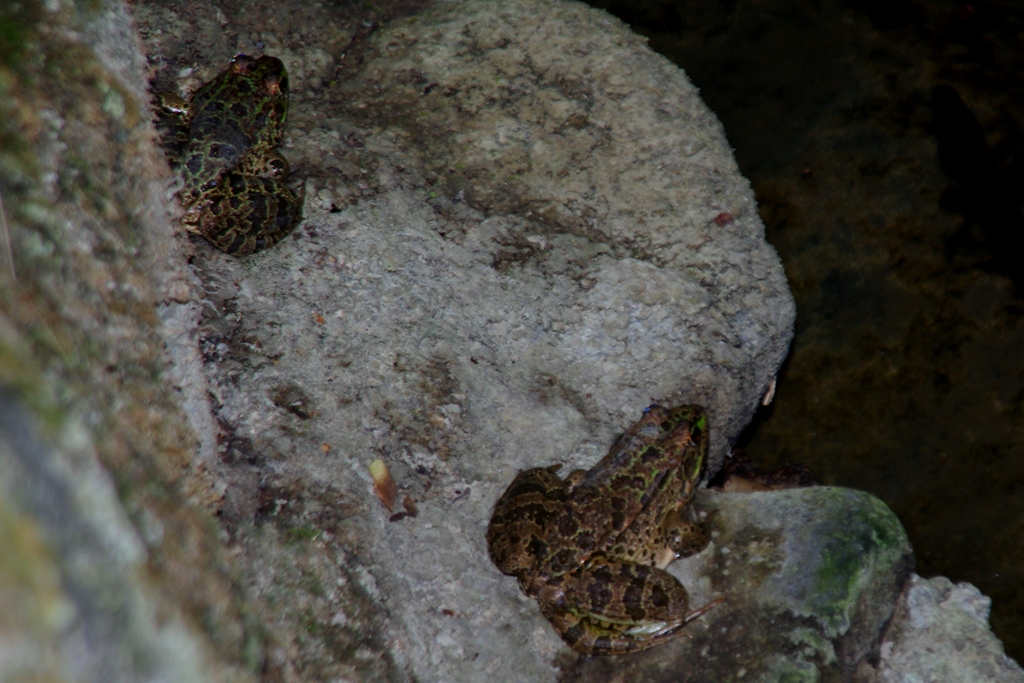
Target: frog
(592, 548)
(223, 143)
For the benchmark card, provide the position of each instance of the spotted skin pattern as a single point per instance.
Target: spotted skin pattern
(223, 144)
(592, 549)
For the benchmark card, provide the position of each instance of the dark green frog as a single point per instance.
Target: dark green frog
(592, 548)
(223, 143)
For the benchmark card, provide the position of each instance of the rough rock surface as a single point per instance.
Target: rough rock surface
(941, 633)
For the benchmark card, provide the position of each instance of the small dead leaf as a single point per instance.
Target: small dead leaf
(410, 506)
(383, 485)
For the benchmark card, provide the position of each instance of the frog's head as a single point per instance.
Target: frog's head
(271, 72)
(242, 64)
(268, 72)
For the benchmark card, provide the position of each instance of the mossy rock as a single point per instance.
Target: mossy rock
(810, 577)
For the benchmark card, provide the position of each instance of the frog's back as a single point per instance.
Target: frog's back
(235, 121)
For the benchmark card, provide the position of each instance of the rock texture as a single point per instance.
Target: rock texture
(940, 632)
(458, 333)
(608, 185)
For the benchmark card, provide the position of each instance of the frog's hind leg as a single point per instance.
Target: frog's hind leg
(592, 636)
(531, 501)
(616, 606)
(245, 214)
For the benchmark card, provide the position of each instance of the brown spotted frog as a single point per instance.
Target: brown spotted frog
(223, 143)
(592, 548)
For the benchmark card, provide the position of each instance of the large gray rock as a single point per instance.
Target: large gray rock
(533, 258)
(612, 216)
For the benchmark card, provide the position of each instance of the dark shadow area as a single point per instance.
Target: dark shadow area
(884, 143)
(987, 196)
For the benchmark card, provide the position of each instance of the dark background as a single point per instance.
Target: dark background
(884, 142)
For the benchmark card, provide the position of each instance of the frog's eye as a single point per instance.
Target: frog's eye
(277, 167)
(699, 426)
(242, 64)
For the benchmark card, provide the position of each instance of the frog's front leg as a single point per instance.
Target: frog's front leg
(246, 213)
(615, 606)
(660, 542)
(269, 165)
(684, 536)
